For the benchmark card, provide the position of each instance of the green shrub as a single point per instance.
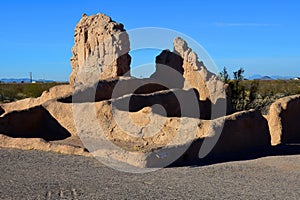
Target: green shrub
(257, 94)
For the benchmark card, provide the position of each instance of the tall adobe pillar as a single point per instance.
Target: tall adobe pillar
(102, 46)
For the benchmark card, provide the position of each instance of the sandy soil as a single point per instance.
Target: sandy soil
(46, 175)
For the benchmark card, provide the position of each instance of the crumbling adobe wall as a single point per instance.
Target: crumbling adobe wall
(283, 119)
(101, 45)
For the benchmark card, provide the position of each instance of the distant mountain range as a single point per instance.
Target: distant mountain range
(22, 80)
(275, 77)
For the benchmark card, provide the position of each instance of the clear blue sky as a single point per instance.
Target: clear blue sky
(263, 37)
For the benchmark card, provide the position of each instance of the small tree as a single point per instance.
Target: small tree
(242, 98)
(224, 76)
(239, 74)
(238, 91)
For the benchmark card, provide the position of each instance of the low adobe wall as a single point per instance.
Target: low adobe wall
(284, 120)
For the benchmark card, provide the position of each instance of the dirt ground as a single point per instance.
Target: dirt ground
(46, 175)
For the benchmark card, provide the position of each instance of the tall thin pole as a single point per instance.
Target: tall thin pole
(30, 77)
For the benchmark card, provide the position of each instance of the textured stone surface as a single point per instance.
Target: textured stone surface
(169, 71)
(174, 103)
(146, 131)
(63, 114)
(196, 74)
(56, 92)
(141, 130)
(185, 61)
(101, 49)
(283, 120)
(140, 116)
(113, 88)
(41, 145)
(242, 131)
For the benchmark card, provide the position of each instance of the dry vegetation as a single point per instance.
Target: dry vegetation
(15, 91)
(256, 94)
(259, 94)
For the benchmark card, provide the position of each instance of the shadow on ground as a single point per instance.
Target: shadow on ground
(279, 150)
(34, 122)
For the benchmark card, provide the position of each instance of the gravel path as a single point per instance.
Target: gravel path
(44, 175)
